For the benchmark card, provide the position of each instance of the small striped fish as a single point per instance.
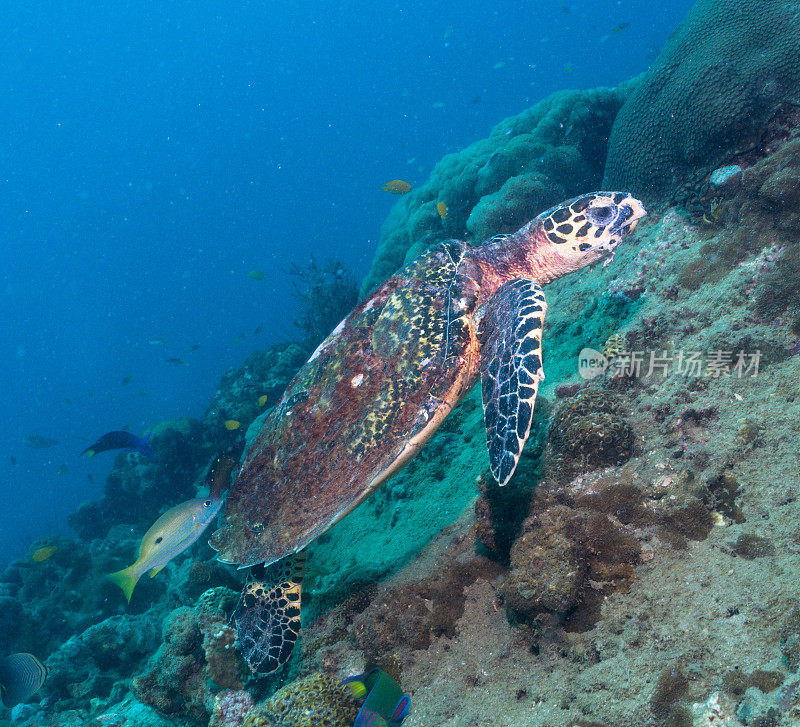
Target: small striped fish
(21, 675)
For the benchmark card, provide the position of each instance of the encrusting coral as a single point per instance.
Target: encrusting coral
(588, 431)
(316, 700)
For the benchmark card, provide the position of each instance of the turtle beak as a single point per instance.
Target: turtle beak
(631, 211)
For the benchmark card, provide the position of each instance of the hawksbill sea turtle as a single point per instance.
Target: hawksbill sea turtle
(382, 382)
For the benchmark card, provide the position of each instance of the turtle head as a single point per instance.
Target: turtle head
(589, 227)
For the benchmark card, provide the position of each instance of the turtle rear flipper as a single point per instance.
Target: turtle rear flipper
(267, 616)
(511, 369)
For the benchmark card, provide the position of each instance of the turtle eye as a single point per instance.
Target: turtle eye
(207, 503)
(603, 215)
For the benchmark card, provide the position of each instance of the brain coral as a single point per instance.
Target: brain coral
(313, 701)
(529, 162)
(722, 74)
(588, 431)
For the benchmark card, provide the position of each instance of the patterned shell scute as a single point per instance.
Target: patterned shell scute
(370, 387)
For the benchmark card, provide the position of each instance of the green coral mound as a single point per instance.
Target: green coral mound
(721, 76)
(529, 162)
(313, 701)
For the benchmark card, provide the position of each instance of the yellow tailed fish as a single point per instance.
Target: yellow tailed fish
(21, 675)
(232, 424)
(175, 530)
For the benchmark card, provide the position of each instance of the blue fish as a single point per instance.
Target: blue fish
(120, 440)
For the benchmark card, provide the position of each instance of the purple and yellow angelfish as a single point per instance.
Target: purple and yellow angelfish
(176, 529)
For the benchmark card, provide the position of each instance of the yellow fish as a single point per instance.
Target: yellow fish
(169, 536)
(396, 186)
(441, 208)
(256, 275)
(42, 554)
(231, 424)
(262, 400)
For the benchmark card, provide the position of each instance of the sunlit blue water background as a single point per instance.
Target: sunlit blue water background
(151, 154)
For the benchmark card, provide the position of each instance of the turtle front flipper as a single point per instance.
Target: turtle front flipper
(511, 369)
(268, 615)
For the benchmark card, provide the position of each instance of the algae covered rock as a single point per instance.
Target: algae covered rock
(313, 701)
(547, 567)
(566, 560)
(721, 76)
(89, 663)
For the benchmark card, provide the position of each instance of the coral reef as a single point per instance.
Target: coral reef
(241, 392)
(589, 431)
(195, 658)
(44, 604)
(325, 295)
(175, 684)
(709, 96)
(137, 487)
(316, 700)
(89, 664)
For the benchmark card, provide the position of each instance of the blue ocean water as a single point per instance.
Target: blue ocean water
(152, 154)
